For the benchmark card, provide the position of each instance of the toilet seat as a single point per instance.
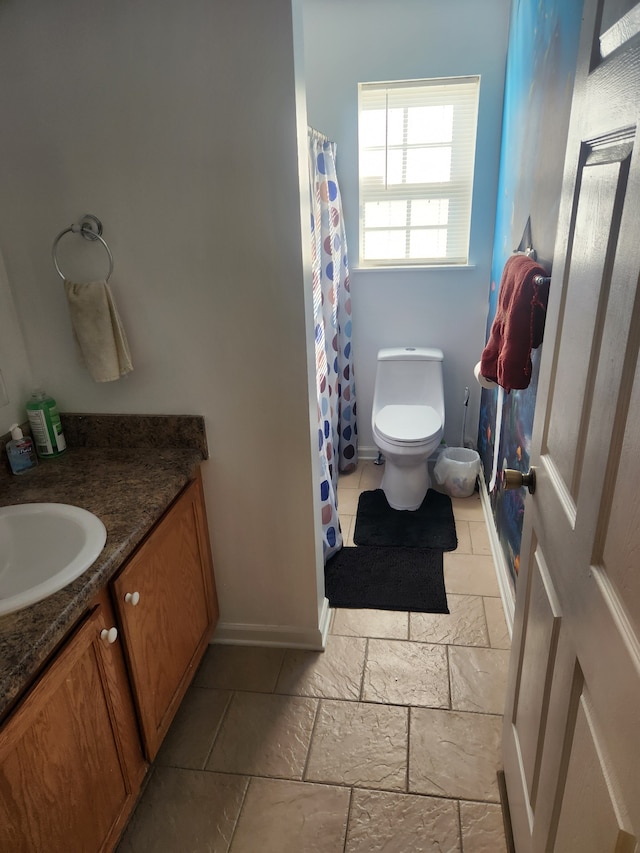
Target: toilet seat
(407, 425)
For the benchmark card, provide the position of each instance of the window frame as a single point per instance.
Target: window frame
(458, 190)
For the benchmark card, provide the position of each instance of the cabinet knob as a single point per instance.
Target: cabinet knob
(109, 635)
(132, 598)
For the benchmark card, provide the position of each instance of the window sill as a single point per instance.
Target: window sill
(405, 268)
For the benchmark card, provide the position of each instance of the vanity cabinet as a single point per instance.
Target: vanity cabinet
(167, 607)
(71, 763)
(72, 752)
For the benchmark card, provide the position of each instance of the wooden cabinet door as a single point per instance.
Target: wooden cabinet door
(167, 607)
(70, 757)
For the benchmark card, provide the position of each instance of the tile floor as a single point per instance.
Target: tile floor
(387, 741)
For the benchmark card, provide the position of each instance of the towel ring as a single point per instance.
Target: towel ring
(90, 228)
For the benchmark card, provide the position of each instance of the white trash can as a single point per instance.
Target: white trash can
(456, 471)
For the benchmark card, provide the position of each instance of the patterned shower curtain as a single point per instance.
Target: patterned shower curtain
(337, 430)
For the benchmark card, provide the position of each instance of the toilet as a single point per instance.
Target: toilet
(407, 420)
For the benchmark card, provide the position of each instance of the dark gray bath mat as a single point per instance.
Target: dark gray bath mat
(387, 579)
(430, 526)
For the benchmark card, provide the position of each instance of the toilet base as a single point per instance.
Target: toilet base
(405, 487)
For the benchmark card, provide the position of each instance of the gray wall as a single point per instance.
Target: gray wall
(177, 124)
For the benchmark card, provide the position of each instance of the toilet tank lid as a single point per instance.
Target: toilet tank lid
(410, 354)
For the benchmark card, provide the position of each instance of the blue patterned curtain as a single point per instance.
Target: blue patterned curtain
(335, 384)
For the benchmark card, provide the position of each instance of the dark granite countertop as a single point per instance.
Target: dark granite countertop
(129, 490)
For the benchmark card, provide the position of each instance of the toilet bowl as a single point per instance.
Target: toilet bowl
(407, 420)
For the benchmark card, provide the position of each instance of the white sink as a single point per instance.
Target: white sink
(43, 547)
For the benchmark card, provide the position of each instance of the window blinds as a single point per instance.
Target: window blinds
(416, 159)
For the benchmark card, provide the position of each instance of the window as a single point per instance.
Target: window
(416, 155)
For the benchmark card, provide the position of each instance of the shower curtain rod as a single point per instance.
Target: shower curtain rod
(313, 132)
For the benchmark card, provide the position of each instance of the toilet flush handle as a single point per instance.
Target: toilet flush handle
(512, 479)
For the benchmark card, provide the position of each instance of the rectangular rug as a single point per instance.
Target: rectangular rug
(430, 526)
(387, 579)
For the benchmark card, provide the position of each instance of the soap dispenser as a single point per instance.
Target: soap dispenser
(20, 451)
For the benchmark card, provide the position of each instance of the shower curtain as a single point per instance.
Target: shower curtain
(335, 385)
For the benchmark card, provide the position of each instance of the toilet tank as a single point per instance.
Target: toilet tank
(410, 376)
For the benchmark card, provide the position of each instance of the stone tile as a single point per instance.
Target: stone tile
(389, 624)
(348, 502)
(479, 537)
(468, 509)
(497, 623)
(349, 542)
(253, 668)
(386, 624)
(454, 754)
(347, 523)
(470, 574)
(292, 817)
(463, 535)
(335, 673)
(350, 481)
(482, 828)
(399, 823)
(371, 476)
(264, 735)
(188, 741)
(402, 673)
(355, 743)
(464, 625)
(185, 810)
(478, 679)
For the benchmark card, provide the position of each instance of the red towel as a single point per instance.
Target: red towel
(518, 325)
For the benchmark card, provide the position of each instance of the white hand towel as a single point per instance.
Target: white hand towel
(98, 331)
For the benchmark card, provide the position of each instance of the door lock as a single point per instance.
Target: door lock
(512, 479)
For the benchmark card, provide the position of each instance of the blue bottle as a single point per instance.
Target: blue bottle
(20, 451)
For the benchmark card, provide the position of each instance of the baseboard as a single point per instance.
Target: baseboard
(283, 636)
(366, 453)
(502, 569)
(325, 621)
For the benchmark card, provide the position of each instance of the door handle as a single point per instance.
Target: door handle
(512, 479)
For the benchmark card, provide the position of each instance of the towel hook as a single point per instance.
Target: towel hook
(526, 243)
(90, 228)
(526, 248)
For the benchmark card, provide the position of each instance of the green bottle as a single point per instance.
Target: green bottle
(46, 428)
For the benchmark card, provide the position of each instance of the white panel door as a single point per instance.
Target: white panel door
(572, 722)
